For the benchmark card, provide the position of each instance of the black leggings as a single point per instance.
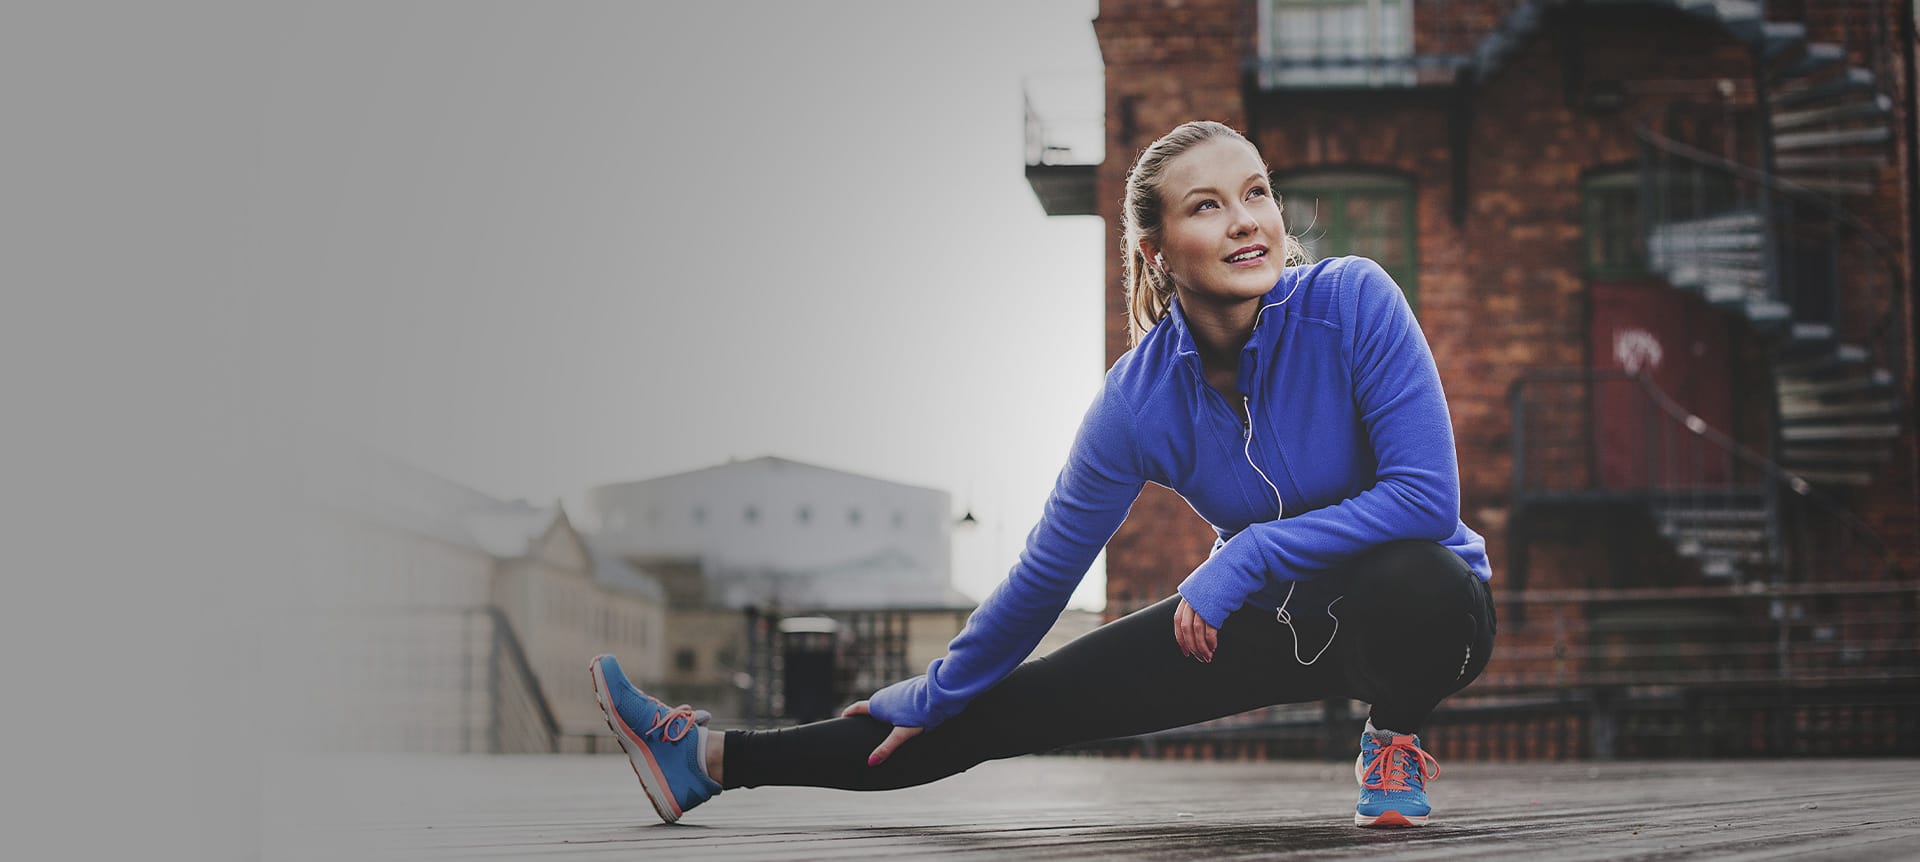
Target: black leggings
(1414, 625)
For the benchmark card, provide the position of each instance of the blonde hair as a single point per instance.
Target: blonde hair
(1149, 291)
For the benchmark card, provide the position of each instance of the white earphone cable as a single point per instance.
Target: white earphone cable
(1281, 613)
(1287, 620)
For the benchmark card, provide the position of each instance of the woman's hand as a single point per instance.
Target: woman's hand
(893, 741)
(1196, 638)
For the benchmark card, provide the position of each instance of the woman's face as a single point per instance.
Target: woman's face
(1221, 234)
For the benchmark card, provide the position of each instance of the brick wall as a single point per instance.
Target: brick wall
(1167, 62)
(1502, 292)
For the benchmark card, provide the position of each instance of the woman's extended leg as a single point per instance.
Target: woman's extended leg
(1124, 678)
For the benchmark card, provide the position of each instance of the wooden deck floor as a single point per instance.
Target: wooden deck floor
(590, 807)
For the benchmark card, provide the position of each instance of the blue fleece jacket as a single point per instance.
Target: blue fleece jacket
(1348, 445)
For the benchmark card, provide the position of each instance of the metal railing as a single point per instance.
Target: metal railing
(520, 720)
(1689, 671)
(1819, 261)
(1560, 417)
(421, 679)
(1381, 43)
(1578, 430)
(1578, 724)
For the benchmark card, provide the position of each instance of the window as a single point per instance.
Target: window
(684, 660)
(1616, 241)
(1336, 42)
(1345, 212)
(1610, 204)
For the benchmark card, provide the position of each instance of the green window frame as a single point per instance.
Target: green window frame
(1614, 245)
(1615, 242)
(1345, 212)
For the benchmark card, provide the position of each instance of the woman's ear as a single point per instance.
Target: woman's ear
(1152, 254)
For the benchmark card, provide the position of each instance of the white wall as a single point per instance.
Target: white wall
(842, 533)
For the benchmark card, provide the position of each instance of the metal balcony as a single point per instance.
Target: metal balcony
(1061, 179)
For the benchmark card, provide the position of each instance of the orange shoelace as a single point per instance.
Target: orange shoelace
(663, 723)
(1388, 771)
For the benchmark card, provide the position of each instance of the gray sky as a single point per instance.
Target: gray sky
(532, 247)
(536, 249)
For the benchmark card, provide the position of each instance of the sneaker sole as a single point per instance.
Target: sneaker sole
(651, 778)
(1388, 819)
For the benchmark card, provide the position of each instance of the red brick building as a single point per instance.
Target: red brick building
(1663, 253)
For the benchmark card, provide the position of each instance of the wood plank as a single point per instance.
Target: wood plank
(1058, 807)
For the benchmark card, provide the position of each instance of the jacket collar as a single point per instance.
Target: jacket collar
(1273, 310)
(1266, 327)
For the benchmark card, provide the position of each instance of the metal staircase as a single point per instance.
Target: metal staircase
(1764, 240)
(1770, 257)
(1721, 504)
(1727, 532)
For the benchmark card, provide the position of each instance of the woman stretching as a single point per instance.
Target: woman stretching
(1297, 408)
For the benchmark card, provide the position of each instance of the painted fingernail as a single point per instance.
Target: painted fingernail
(873, 760)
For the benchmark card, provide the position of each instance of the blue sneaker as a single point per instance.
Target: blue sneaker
(1393, 776)
(667, 748)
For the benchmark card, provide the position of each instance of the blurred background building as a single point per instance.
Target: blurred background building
(862, 564)
(428, 616)
(432, 617)
(1662, 250)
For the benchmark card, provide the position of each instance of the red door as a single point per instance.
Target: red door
(1680, 343)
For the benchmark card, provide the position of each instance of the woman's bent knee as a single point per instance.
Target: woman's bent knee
(1422, 621)
(1412, 577)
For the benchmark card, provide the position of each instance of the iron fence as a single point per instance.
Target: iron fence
(1671, 672)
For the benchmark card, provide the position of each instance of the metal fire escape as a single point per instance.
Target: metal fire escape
(1769, 243)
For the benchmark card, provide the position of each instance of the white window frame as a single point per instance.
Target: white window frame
(1382, 29)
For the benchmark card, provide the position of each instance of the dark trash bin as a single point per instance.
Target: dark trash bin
(807, 648)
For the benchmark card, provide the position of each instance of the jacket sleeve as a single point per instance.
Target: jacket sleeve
(1415, 492)
(1090, 499)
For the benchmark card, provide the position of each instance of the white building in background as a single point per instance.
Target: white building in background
(770, 537)
(773, 532)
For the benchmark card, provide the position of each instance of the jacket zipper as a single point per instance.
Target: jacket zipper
(1246, 425)
(1246, 431)
(1246, 438)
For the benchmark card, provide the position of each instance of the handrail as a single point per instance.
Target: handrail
(1699, 427)
(1753, 459)
(1750, 589)
(1673, 147)
(1890, 316)
(516, 655)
